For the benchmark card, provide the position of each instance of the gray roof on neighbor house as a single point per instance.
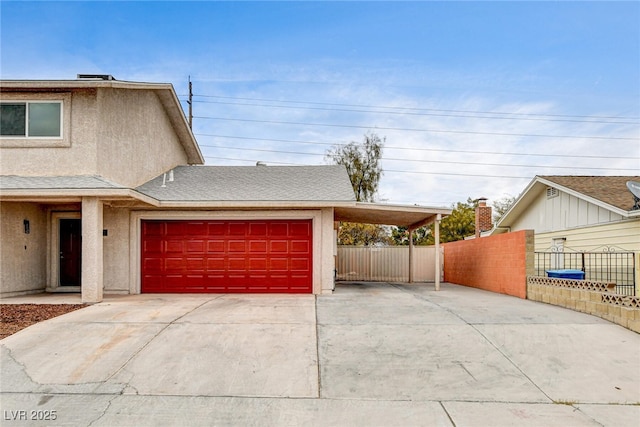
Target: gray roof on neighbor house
(251, 183)
(13, 182)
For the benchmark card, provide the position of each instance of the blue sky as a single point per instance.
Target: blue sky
(474, 98)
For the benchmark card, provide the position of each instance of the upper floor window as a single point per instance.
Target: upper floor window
(31, 119)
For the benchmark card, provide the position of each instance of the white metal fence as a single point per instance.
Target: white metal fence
(386, 263)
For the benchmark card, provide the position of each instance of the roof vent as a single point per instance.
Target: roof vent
(552, 192)
(261, 164)
(95, 77)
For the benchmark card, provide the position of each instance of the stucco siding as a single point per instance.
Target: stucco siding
(125, 136)
(116, 250)
(135, 139)
(74, 155)
(22, 255)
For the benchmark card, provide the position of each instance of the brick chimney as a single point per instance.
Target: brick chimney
(483, 217)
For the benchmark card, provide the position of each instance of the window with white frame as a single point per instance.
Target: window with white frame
(31, 119)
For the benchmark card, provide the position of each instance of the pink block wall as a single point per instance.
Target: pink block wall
(496, 263)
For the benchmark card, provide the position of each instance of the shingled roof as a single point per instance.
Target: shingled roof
(14, 182)
(251, 183)
(611, 190)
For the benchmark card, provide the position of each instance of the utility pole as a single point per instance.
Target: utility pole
(190, 102)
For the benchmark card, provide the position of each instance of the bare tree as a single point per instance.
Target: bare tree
(362, 161)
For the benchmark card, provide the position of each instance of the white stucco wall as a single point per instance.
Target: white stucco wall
(116, 250)
(22, 256)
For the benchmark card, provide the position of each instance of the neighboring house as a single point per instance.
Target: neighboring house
(102, 189)
(577, 214)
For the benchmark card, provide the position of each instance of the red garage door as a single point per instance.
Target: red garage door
(226, 256)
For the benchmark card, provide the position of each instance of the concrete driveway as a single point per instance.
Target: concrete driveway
(371, 354)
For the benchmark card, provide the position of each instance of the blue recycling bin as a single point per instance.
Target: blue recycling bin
(566, 274)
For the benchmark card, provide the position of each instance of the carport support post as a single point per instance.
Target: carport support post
(437, 243)
(411, 255)
(92, 249)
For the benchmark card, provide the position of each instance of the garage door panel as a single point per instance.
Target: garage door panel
(174, 246)
(238, 228)
(299, 264)
(300, 246)
(237, 264)
(237, 246)
(300, 229)
(152, 264)
(281, 246)
(258, 264)
(175, 228)
(216, 264)
(196, 246)
(279, 229)
(216, 229)
(227, 256)
(153, 229)
(258, 229)
(279, 264)
(257, 246)
(195, 264)
(153, 245)
(196, 229)
(215, 246)
(173, 265)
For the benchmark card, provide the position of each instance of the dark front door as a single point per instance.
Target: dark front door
(70, 251)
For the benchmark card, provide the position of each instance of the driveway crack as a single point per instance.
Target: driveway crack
(315, 306)
(166, 325)
(491, 343)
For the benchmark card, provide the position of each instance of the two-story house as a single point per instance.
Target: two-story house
(103, 189)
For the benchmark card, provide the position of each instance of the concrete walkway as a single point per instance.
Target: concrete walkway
(371, 354)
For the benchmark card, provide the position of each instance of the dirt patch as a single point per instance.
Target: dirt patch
(15, 317)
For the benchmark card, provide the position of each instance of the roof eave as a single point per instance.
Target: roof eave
(253, 204)
(73, 194)
(519, 205)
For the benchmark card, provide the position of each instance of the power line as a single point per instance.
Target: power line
(419, 130)
(253, 161)
(426, 149)
(415, 108)
(427, 161)
(408, 113)
(387, 170)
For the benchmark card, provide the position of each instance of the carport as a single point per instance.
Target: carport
(412, 217)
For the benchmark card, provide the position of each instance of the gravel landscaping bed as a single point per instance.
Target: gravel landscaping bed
(15, 317)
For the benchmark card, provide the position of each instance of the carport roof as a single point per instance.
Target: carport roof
(377, 213)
